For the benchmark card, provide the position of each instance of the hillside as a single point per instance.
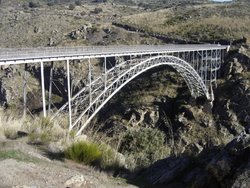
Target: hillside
(199, 23)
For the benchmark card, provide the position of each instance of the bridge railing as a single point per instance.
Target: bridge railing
(29, 53)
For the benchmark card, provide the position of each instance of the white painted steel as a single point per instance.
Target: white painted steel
(205, 58)
(69, 96)
(35, 55)
(43, 89)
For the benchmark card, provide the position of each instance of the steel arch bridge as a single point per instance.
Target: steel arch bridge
(197, 64)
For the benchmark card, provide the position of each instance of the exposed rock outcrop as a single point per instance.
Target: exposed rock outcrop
(226, 168)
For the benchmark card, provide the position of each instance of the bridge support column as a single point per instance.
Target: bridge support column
(25, 91)
(105, 73)
(50, 86)
(69, 95)
(43, 90)
(90, 82)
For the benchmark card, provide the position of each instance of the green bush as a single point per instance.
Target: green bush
(88, 153)
(144, 147)
(109, 158)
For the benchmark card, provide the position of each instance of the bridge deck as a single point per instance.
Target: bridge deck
(33, 55)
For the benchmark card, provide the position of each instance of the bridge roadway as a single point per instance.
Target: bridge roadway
(35, 55)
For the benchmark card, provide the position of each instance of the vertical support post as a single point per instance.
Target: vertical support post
(25, 91)
(206, 68)
(69, 96)
(193, 59)
(43, 89)
(105, 72)
(211, 67)
(50, 86)
(217, 66)
(197, 61)
(90, 82)
(202, 67)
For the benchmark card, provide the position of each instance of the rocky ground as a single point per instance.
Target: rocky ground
(26, 166)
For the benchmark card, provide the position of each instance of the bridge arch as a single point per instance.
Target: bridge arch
(125, 72)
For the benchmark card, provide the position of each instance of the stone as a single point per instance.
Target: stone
(232, 68)
(81, 137)
(51, 42)
(193, 149)
(55, 148)
(164, 171)
(220, 167)
(237, 67)
(224, 162)
(242, 177)
(80, 33)
(79, 181)
(37, 29)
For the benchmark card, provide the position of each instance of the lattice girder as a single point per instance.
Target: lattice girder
(119, 76)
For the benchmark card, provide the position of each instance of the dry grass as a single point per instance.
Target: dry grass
(207, 22)
(10, 125)
(40, 130)
(45, 131)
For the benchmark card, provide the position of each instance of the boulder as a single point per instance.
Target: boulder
(79, 181)
(166, 170)
(241, 178)
(224, 163)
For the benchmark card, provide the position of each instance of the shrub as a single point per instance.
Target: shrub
(88, 153)
(71, 7)
(52, 2)
(9, 125)
(33, 4)
(44, 131)
(109, 159)
(78, 2)
(144, 147)
(97, 10)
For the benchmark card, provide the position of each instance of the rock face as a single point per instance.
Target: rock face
(157, 173)
(80, 33)
(232, 103)
(226, 168)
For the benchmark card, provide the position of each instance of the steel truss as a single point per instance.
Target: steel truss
(198, 74)
(197, 64)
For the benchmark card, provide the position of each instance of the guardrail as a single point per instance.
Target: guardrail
(46, 52)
